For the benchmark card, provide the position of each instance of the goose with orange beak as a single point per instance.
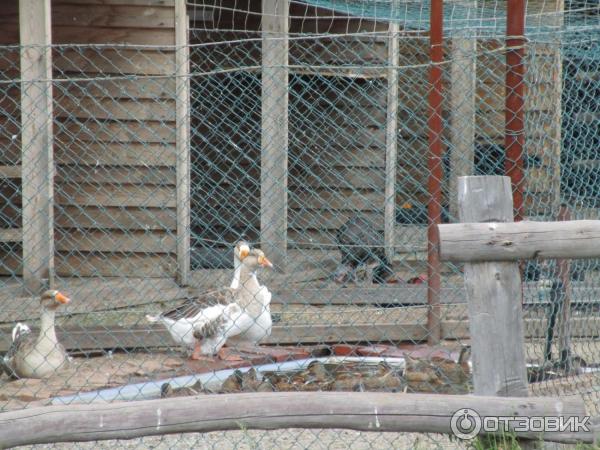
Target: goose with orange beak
(247, 320)
(180, 320)
(38, 356)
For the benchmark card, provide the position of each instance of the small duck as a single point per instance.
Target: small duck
(454, 372)
(168, 391)
(180, 320)
(383, 380)
(37, 357)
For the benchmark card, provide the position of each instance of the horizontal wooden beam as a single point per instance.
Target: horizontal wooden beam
(89, 338)
(469, 242)
(10, 171)
(362, 411)
(11, 235)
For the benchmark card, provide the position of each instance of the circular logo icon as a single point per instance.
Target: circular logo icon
(465, 424)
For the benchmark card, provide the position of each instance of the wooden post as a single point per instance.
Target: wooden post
(37, 163)
(563, 267)
(391, 138)
(274, 131)
(463, 62)
(493, 296)
(182, 123)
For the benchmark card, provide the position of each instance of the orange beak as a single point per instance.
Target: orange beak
(60, 298)
(263, 261)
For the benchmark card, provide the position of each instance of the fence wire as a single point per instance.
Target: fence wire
(149, 172)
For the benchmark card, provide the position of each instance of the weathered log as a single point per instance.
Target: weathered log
(356, 410)
(493, 241)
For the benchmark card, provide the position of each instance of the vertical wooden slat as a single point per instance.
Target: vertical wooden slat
(563, 267)
(557, 21)
(183, 141)
(274, 131)
(36, 136)
(462, 105)
(493, 296)
(391, 140)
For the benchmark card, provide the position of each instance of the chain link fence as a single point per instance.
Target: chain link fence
(155, 157)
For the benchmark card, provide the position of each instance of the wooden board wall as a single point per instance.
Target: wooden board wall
(10, 142)
(115, 139)
(114, 136)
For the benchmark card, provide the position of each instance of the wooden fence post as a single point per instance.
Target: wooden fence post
(182, 84)
(274, 131)
(493, 295)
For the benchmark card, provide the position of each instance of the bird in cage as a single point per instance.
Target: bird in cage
(205, 323)
(362, 249)
(40, 356)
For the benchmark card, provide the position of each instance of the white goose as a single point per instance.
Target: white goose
(37, 357)
(180, 321)
(246, 320)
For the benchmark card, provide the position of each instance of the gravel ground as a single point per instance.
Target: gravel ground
(293, 439)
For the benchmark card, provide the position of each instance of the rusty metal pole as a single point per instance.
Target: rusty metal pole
(434, 164)
(514, 132)
(514, 140)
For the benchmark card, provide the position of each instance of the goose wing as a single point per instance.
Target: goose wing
(192, 307)
(223, 321)
(23, 340)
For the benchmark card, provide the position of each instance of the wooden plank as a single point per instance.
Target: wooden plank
(10, 171)
(183, 120)
(36, 137)
(115, 61)
(493, 293)
(107, 15)
(116, 218)
(520, 240)
(113, 16)
(279, 410)
(117, 2)
(274, 131)
(131, 241)
(99, 35)
(77, 173)
(462, 108)
(125, 154)
(116, 195)
(11, 235)
(115, 265)
(115, 109)
(343, 199)
(145, 88)
(401, 295)
(89, 295)
(148, 132)
(391, 141)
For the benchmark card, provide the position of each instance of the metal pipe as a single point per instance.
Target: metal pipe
(514, 139)
(434, 164)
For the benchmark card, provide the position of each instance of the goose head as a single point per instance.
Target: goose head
(255, 260)
(241, 250)
(53, 299)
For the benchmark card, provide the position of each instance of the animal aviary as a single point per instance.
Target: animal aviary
(241, 199)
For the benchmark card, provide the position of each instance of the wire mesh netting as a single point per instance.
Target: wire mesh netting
(133, 162)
